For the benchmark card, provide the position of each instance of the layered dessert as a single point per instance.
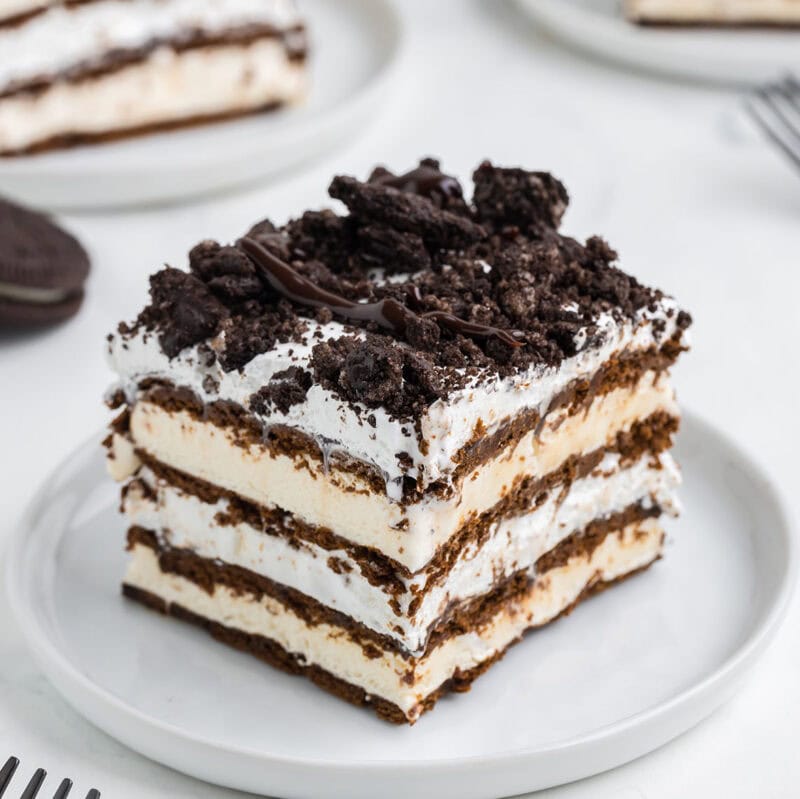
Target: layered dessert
(78, 71)
(714, 12)
(377, 447)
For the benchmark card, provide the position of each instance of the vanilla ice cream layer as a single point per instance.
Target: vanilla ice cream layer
(720, 11)
(343, 503)
(66, 36)
(183, 521)
(401, 682)
(446, 426)
(167, 86)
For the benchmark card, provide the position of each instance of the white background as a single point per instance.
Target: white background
(672, 174)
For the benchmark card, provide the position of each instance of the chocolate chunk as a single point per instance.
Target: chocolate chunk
(439, 229)
(392, 250)
(183, 309)
(515, 197)
(372, 372)
(286, 388)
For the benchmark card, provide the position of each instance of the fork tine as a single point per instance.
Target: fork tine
(770, 96)
(33, 786)
(63, 789)
(791, 92)
(769, 128)
(93, 794)
(7, 772)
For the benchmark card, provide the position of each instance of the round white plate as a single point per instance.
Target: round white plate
(355, 47)
(626, 672)
(729, 55)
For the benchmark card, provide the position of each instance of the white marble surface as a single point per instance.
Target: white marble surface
(672, 174)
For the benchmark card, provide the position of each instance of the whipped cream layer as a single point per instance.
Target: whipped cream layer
(388, 675)
(719, 11)
(336, 425)
(165, 87)
(340, 501)
(65, 36)
(183, 521)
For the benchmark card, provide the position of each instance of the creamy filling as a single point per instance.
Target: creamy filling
(65, 36)
(715, 10)
(185, 522)
(389, 676)
(337, 425)
(343, 503)
(37, 296)
(167, 86)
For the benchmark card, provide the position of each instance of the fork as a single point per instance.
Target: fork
(35, 782)
(776, 110)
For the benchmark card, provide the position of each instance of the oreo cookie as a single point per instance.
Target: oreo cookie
(42, 269)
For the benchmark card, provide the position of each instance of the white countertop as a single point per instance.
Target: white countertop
(672, 174)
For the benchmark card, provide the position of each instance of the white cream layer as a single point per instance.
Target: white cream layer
(340, 501)
(719, 11)
(447, 425)
(323, 645)
(183, 521)
(65, 36)
(167, 86)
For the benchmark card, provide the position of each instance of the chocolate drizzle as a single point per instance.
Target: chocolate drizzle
(387, 313)
(427, 180)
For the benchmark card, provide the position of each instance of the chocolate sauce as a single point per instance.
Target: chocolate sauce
(426, 180)
(388, 313)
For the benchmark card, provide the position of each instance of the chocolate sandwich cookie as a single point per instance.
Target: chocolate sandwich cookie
(42, 269)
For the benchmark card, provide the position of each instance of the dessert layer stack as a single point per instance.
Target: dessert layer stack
(377, 448)
(78, 71)
(714, 12)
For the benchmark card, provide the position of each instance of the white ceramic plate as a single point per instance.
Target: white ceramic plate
(721, 55)
(628, 671)
(354, 56)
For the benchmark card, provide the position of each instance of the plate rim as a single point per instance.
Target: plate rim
(663, 56)
(57, 666)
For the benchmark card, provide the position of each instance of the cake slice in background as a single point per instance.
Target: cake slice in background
(714, 12)
(73, 73)
(377, 448)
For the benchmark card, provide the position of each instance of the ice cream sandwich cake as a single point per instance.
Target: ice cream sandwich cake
(377, 447)
(78, 71)
(714, 12)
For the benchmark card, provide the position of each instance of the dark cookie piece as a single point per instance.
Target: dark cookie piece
(182, 309)
(42, 269)
(408, 213)
(381, 245)
(286, 388)
(377, 372)
(514, 197)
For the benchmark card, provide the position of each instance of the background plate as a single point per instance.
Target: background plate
(722, 55)
(355, 46)
(625, 673)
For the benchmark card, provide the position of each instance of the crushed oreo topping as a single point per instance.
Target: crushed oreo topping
(286, 388)
(377, 372)
(434, 289)
(387, 313)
